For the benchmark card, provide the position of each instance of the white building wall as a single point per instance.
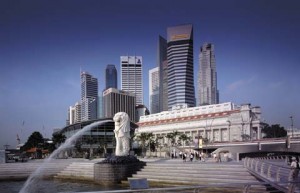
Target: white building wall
(221, 122)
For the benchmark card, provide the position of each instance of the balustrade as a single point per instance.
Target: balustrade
(281, 177)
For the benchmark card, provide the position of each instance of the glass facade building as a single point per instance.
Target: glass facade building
(111, 79)
(163, 73)
(89, 96)
(180, 66)
(154, 90)
(207, 76)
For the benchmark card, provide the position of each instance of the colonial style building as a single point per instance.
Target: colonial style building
(218, 123)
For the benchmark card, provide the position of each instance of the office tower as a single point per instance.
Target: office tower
(180, 66)
(74, 114)
(131, 76)
(115, 101)
(111, 80)
(163, 74)
(71, 115)
(154, 90)
(207, 76)
(77, 112)
(100, 107)
(89, 95)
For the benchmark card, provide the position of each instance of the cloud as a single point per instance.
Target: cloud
(240, 83)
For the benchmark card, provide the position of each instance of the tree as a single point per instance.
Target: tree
(34, 140)
(58, 139)
(172, 137)
(184, 138)
(274, 131)
(144, 139)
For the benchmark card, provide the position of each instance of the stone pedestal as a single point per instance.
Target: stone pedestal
(114, 170)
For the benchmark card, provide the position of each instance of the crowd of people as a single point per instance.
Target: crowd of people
(199, 156)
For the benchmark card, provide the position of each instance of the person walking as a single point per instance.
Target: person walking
(191, 157)
(184, 157)
(295, 168)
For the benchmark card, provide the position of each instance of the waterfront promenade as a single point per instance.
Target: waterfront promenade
(159, 172)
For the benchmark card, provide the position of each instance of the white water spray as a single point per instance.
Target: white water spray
(31, 182)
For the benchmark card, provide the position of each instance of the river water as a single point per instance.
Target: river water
(53, 186)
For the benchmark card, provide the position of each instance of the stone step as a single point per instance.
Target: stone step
(197, 178)
(193, 171)
(84, 171)
(199, 175)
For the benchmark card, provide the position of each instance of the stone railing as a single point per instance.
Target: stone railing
(280, 177)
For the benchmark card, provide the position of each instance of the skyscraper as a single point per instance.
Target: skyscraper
(89, 95)
(115, 101)
(207, 76)
(163, 73)
(154, 90)
(131, 76)
(180, 66)
(111, 80)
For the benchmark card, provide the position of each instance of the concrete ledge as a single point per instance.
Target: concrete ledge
(107, 173)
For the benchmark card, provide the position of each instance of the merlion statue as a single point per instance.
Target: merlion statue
(122, 133)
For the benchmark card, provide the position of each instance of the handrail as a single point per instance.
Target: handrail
(280, 177)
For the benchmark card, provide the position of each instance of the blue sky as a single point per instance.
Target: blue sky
(44, 43)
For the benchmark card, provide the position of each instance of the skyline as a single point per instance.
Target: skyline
(44, 44)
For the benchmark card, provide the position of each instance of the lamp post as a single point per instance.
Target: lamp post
(292, 125)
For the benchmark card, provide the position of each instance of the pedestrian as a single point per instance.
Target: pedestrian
(215, 156)
(191, 157)
(184, 157)
(203, 155)
(219, 157)
(295, 168)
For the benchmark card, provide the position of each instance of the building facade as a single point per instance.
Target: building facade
(74, 114)
(207, 76)
(218, 123)
(131, 76)
(89, 95)
(180, 66)
(101, 135)
(115, 101)
(154, 90)
(140, 110)
(111, 78)
(163, 73)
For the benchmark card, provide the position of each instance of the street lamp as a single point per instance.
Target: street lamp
(292, 125)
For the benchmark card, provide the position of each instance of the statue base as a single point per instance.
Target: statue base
(114, 169)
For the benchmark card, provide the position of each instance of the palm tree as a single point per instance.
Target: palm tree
(172, 139)
(184, 138)
(158, 144)
(145, 139)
